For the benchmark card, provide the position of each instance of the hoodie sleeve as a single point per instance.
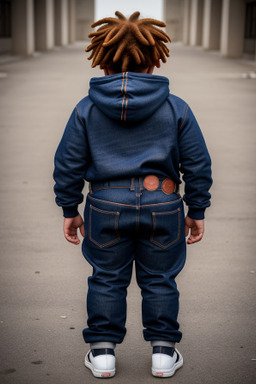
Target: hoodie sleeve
(195, 164)
(71, 162)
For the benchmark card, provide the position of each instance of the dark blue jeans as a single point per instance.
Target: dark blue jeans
(124, 222)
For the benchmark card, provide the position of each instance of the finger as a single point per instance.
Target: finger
(186, 230)
(194, 238)
(72, 238)
(73, 241)
(82, 230)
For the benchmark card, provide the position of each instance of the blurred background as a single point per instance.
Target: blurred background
(229, 26)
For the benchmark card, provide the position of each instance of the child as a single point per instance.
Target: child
(130, 138)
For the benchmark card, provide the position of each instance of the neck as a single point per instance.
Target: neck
(109, 71)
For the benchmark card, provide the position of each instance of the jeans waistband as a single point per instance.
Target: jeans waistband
(131, 183)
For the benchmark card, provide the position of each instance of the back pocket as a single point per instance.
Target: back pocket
(166, 228)
(103, 227)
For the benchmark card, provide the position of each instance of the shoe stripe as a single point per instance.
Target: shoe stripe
(102, 351)
(166, 350)
(159, 374)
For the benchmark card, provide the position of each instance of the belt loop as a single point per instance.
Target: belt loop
(132, 184)
(141, 184)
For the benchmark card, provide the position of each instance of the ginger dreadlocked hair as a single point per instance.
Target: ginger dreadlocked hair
(128, 44)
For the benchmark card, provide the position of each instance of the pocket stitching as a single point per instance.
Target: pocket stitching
(154, 214)
(116, 227)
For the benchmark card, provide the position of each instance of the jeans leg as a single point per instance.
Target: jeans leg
(111, 257)
(157, 265)
(160, 305)
(106, 305)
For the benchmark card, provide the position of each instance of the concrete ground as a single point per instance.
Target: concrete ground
(44, 278)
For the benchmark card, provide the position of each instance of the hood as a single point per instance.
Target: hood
(129, 96)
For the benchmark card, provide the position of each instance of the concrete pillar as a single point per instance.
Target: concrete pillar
(186, 22)
(72, 21)
(23, 42)
(61, 22)
(173, 11)
(212, 24)
(44, 24)
(232, 28)
(84, 18)
(196, 22)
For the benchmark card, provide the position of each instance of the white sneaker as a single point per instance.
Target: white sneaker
(101, 362)
(165, 361)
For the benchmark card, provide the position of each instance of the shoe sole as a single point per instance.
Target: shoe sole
(102, 374)
(169, 372)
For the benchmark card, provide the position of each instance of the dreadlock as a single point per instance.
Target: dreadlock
(128, 44)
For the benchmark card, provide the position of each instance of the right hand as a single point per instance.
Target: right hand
(70, 228)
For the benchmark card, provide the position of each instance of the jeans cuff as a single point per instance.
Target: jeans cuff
(102, 344)
(159, 343)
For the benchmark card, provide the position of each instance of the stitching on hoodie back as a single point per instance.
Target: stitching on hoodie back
(122, 83)
(126, 108)
(126, 96)
(122, 87)
(124, 92)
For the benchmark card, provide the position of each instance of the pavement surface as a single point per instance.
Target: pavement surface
(44, 278)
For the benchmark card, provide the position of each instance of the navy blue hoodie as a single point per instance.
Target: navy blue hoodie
(130, 126)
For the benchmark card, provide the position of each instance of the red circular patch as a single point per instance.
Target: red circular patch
(168, 186)
(151, 182)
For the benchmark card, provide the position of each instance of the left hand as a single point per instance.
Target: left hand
(196, 228)
(70, 228)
